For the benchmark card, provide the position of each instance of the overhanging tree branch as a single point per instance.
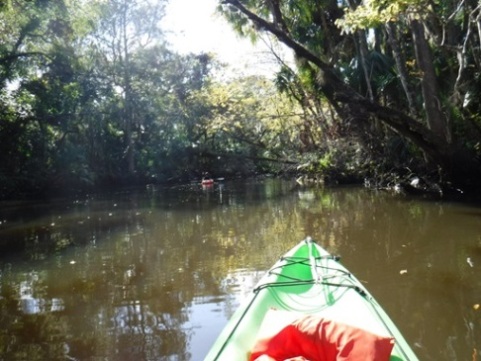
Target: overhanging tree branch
(358, 107)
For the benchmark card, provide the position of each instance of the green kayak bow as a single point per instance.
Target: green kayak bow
(307, 280)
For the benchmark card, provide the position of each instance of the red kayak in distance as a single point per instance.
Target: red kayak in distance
(207, 181)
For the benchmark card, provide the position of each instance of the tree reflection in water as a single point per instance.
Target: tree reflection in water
(118, 277)
(155, 274)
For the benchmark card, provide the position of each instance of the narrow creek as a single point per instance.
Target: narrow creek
(155, 274)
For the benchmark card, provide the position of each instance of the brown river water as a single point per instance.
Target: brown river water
(154, 274)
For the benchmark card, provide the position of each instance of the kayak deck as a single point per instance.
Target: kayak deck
(306, 281)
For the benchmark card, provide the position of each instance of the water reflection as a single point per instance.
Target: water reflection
(31, 305)
(155, 274)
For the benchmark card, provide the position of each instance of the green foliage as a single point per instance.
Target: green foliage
(325, 162)
(251, 119)
(408, 65)
(375, 13)
(91, 95)
(98, 104)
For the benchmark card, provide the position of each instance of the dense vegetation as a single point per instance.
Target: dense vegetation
(91, 95)
(402, 76)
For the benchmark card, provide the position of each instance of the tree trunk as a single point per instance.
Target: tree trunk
(435, 117)
(401, 65)
(363, 54)
(128, 102)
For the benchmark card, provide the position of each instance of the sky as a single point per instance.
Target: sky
(193, 27)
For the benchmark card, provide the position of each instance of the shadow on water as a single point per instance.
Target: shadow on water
(154, 274)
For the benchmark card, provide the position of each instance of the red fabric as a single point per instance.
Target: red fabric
(316, 339)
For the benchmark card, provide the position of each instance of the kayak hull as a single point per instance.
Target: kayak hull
(305, 281)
